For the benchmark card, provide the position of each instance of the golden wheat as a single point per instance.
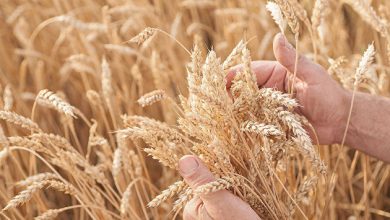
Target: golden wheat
(251, 138)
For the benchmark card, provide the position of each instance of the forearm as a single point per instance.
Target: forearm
(369, 128)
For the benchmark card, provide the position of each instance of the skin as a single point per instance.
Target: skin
(322, 101)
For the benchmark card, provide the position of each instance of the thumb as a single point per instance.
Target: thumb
(221, 204)
(285, 54)
(194, 171)
(195, 174)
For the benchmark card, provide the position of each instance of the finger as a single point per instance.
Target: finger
(285, 55)
(195, 209)
(221, 203)
(195, 174)
(268, 74)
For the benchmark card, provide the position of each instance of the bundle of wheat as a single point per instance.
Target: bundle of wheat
(89, 97)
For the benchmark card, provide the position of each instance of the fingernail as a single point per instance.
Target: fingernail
(188, 165)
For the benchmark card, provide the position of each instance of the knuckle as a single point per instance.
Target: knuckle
(201, 180)
(200, 177)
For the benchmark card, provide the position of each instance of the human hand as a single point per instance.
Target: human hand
(322, 100)
(213, 206)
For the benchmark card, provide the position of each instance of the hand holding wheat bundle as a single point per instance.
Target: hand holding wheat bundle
(312, 83)
(240, 138)
(97, 126)
(269, 74)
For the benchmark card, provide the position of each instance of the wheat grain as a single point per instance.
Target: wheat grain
(275, 97)
(74, 49)
(136, 162)
(368, 14)
(237, 50)
(194, 76)
(55, 141)
(183, 199)
(7, 97)
(143, 36)
(219, 184)
(172, 190)
(250, 77)
(125, 200)
(36, 178)
(260, 128)
(302, 139)
(106, 81)
(66, 19)
(49, 214)
(302, 192)
(25, 195)
(31, 144)
(212, 76)
(364, 64)
(61, 186)
(165, 156)
(94, 98)
(152, 97)
(49, 99)
(289, 14)
(305, 187)
(3, 154)
(3, 140)
(17, 119)
(117, 162)
(318, 13)
(300, 12)
(277, 15)
(198, 4)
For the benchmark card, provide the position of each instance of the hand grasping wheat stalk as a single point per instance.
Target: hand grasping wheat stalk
(264, 120)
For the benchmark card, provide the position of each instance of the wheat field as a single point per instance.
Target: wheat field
(101, 98)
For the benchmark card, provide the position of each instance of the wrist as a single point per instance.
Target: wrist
(345, 113)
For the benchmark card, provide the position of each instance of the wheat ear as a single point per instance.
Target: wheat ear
(168, 193)
(277, 15)
(19, 120)
(152, 97)
(49, 99)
